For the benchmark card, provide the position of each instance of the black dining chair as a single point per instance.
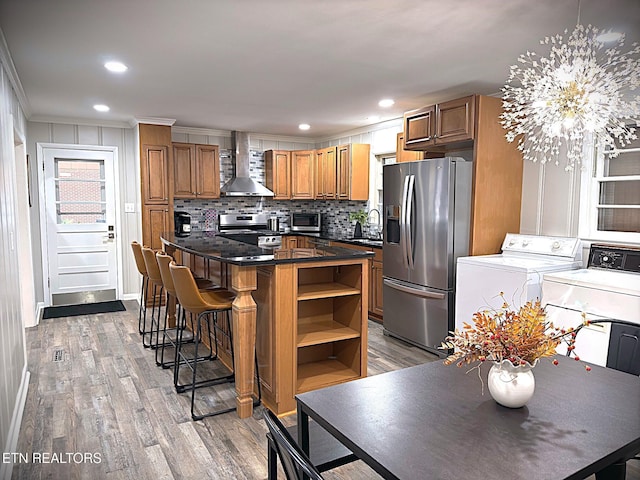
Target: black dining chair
(295, 463)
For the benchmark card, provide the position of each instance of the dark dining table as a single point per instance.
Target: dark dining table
(434, 421)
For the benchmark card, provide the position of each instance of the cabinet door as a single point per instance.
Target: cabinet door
(290, 242)
(278, 173)
(303, 174)
(184, 170)
(155, 220)
(375, 289)
(155, 174)
(207, 171)
(326, 173)
(344, 172)
(419, 128)
(403, 155)
(455, 120)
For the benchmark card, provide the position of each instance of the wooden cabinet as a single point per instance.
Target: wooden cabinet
(403, 155)
(278, 173)
(156, 183)
(155, 174)
(303, 175)
(470, 127)
(375, 278)
(450, 122)
(326, 173)
(156, 219)
(196, 171)
(375, 287)
(330, 331)
(311, 328)
(289, 242)
(353, 171)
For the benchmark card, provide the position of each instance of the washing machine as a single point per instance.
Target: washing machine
(516, 274)
(608, 288)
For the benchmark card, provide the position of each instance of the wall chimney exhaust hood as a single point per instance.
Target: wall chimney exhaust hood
(242, 185)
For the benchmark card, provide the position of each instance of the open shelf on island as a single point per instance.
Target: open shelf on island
(316, 332)
(312, 376)
(325, 290)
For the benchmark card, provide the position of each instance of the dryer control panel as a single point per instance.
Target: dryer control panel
(611, 257)
(561, 247)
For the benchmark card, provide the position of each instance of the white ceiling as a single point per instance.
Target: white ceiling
(264, 66)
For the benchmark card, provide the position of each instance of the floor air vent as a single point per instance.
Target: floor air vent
(58, 355)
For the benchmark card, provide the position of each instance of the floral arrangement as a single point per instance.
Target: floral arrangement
(522, 337)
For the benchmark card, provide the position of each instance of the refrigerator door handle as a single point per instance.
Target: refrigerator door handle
(413, 291)
(403, 222)
(409, 230)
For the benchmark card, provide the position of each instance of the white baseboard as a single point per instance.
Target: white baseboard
(130, 296)
(39, 312)
(16, 421)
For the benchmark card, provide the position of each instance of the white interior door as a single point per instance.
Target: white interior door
(80, 212)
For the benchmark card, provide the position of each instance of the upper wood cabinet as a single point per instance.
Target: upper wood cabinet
(353, 171)
(155, 174)
(196, 170)
(326, 173)
(403, 155)
(278, 173)
(303, 174)
(444, 123)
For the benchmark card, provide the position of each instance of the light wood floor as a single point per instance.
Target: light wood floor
(106, 398)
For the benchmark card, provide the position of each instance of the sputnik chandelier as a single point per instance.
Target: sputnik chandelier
(578, 89)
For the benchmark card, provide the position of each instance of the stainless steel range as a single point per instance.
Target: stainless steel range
(249, 228)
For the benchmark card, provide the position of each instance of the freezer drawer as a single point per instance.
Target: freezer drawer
(419, 315)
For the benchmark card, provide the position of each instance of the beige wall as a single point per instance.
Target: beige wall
(13, 373)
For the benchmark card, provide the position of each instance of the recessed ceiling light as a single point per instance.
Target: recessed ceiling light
(101, 108)
(606, 37)
(117, 67)
(386, 102)
(304, 126)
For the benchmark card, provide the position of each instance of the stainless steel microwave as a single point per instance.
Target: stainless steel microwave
(306, 222)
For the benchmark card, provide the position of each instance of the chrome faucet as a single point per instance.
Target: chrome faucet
(377, 229)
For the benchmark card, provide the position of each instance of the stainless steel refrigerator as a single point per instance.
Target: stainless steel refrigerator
(427, 208)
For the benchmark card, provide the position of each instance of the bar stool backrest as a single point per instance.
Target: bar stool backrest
(187, 291)
(152, 265)
(167, 280)
(139, 258)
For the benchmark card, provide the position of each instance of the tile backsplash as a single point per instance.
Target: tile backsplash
(335, 214)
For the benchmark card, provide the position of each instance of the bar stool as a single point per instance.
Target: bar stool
(155, 279)
(169, 335)
(142, 269)
(202, 305)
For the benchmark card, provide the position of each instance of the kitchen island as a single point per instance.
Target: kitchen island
(303, 310)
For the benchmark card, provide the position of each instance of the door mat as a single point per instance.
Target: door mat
(83, 309)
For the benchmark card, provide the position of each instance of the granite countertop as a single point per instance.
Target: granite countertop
(216, 247)
(364, 242)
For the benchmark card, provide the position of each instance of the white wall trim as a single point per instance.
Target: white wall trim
(228, 133)
(153, 121)
(39, 312)
(90, 122)
(16, 421)
(12, 74)
(131, 296)
(394, 122)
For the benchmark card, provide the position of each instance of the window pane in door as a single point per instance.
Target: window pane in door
(80, 191)
(626, 163)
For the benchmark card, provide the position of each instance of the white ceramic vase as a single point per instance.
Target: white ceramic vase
(511, 386)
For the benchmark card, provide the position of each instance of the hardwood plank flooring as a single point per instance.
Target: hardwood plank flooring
(106, 400)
